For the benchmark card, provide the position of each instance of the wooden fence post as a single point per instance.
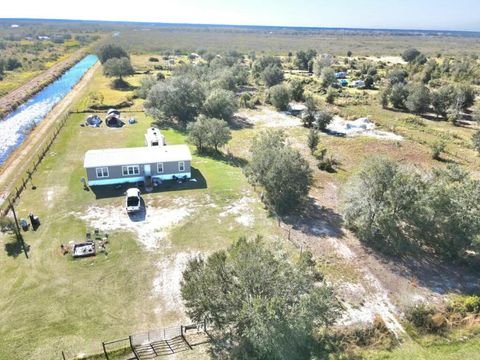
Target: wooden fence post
(105, 350)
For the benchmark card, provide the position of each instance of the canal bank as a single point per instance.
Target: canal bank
(16, 126)
(21, 158)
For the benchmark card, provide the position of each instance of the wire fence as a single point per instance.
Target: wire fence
(19, 184)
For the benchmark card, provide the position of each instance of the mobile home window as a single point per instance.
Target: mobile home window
(181, 166)
(130, 170)
(160, 168)
(102, 172)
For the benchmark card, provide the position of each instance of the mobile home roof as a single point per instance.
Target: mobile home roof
(136, 156)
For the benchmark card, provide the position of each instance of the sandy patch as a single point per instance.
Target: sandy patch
(270, 118)
(150, 227)
(388, 59)
(360, 127)
(375, 302)
(166, 285)
(242, 211)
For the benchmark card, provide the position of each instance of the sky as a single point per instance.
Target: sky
(385, 14)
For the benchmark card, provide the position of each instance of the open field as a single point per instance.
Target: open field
(55, 303)
(43, 53)
(157, 39)
(51, 302)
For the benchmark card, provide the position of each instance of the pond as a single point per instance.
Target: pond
(14, 128)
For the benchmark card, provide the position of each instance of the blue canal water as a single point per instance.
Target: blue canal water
(14, 128)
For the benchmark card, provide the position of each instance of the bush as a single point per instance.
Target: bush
(272, 75)
(419, 315)
(220, 104)
(153, 59)
(323, 117)
(279, 96)
(331, 95)
(312, 140)
(465, 304)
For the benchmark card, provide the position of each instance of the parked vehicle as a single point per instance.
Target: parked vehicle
(133, 201)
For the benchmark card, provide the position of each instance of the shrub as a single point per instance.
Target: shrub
(420, 315)
(323, 117)
(312, 140)
(438, 147)
(465, 304)
(331, 95)
(153, 59)
(279, 96)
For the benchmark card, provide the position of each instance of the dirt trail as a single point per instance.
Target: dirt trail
(24, 92)
(21, 158)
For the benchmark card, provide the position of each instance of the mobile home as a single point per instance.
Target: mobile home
(139, 164)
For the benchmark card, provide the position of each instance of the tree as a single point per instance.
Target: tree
(296, 87)
(218, 133)
(179, 97)
(379, 202)
(279, 96)
(394, 208)
(281, 171)
(110, 51)
(410, 55)
(450, 223)
(384, 96)
(245, 100)
(418, 99)
(302, 58)
(220, 104)
(261, 304)
(323, 117)
(12, 64)
(208, 132)
(331, 95)
(442, 99)
(454, 114)
(398, 95)
(396, 76)
(465, 96)
(476, 141)
(118, 67)
(262, 63)
(146, 83)
(327, 77)
(369, 81)
(322, 61)
(198, 133)
(308, 116)
(272, 75)
(313, 140)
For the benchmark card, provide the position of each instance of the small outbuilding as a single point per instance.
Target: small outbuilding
(139, 164)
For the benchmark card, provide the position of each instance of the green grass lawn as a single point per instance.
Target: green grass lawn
(51, 302)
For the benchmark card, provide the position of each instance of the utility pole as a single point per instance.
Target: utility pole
(18, 232)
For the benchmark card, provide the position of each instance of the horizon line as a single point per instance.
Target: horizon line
(302, 27)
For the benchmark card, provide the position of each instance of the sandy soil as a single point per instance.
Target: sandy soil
(241, 210)
(269, 118)
(167, 283)
(388, 59)
(151, 226)
(21, 157)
